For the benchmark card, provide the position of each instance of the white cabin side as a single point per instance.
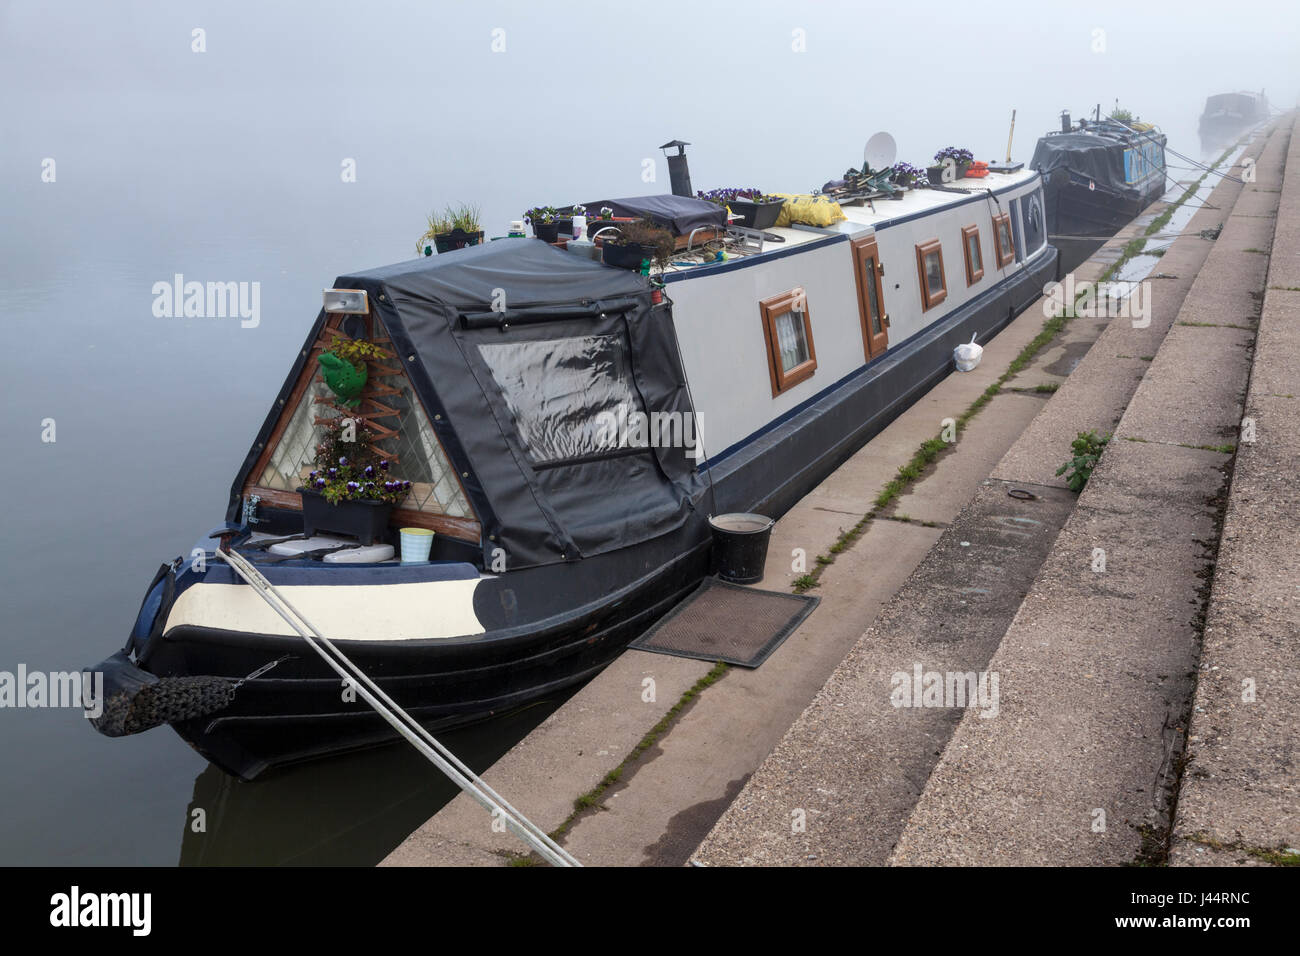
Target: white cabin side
(719, 315)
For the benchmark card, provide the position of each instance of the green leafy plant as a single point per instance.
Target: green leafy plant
(1087, 450)
(357, 351)
(542, 214)
(348, 468)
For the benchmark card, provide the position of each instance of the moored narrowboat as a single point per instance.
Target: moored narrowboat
(565, 429)
(1097, 175)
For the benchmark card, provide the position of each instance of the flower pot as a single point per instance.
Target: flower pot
(546, 231)
(457, 239)
(363, 519)
(756, 215)
(935, 175)
(963, 169)
(416, 544)
(627, 256)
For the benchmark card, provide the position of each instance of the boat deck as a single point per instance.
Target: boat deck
(860, 216)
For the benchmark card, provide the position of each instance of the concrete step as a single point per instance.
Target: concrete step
(1240, 799)
(1097, 671)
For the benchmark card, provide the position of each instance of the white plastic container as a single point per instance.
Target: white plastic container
(967, 356)
(416, 544)
(579, 226)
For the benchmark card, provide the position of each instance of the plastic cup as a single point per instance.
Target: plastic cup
(416, 543)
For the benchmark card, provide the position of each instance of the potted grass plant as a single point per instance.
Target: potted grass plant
(455, 228)
(350, 490)
(637, 244)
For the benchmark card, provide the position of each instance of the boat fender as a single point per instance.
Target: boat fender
(135, 700)
(967, 355)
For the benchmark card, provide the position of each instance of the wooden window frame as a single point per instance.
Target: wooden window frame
(973, 275)
(924, 249)
(770, 308)
(1003, 259)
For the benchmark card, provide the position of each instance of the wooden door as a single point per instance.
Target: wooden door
(871, 297)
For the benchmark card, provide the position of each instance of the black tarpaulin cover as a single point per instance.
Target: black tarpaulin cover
(681, 214)
(515, 408)
(1095, 156)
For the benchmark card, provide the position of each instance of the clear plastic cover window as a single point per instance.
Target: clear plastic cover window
(569, 397)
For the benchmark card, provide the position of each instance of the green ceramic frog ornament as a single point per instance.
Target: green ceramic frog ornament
(345, 379)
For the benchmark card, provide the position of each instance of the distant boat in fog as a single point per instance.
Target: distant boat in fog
(1227, 115)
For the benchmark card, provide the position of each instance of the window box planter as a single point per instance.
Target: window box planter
(756, 215)
(456, 239)
(363, 519)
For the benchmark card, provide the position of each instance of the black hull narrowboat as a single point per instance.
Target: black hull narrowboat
(495, 374)
(1098, 176)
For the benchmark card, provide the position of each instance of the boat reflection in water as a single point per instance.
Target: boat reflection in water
(351, 811)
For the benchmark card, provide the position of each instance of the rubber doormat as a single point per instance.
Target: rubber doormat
(727, 622)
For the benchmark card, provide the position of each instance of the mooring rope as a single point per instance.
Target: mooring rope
(400, 720)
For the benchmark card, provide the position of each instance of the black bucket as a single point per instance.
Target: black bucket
(740, 546)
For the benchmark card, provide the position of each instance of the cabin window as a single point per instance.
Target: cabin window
(416, 453)
(787, 331)
(970, 243)
(929, 265)
(566, 396)
(1003, 248)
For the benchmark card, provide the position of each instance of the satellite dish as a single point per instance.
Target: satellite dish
(880, 152)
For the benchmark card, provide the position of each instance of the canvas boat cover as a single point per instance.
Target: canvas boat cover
(681, 214)
(1096, 156)
(524, 357)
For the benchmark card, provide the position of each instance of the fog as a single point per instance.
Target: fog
(225, 165)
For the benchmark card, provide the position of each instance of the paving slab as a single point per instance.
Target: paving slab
(979, 447)
(1205, 368)
(567, 755)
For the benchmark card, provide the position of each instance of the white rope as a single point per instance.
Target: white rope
(400, 720)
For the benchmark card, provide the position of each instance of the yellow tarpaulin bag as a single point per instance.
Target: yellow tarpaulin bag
(809, 210)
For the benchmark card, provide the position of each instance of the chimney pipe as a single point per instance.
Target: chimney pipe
(679, 173)
(1065, 121)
